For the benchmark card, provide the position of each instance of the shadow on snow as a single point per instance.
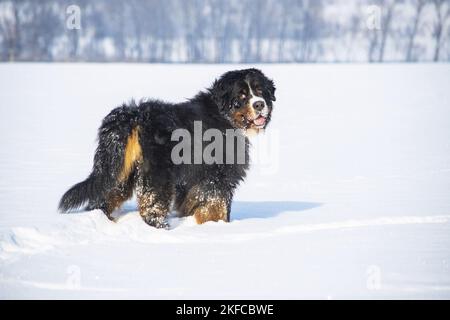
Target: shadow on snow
(241, 210)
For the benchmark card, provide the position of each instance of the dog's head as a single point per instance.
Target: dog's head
(245, 98)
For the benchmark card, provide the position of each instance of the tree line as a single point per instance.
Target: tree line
(224, 31)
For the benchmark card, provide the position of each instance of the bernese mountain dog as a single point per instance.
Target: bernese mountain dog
(136, 146)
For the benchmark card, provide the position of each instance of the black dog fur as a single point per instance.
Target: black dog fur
(134, 153)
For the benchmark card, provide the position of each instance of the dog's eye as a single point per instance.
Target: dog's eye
(259, 91)
(242, 96)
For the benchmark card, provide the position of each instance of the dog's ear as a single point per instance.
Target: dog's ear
(272, 90)
(221, 93)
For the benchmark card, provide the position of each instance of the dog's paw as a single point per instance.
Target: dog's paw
(157, 222)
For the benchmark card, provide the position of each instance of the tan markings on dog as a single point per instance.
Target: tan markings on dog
(203, 208)
(117, 196)
(238, 119)
(240, 116)
(114, 200)
(214, 210)
(133, 153)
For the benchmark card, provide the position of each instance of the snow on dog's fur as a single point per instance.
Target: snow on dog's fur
(134, 152)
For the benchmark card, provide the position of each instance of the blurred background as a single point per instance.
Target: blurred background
(219, 31)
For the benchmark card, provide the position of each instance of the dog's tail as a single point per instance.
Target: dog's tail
(79, 194)
(114, 161)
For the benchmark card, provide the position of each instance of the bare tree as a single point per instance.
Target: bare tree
(10, 28)
(442, 8)
(388, 9)
(412, 32)
(222, 31)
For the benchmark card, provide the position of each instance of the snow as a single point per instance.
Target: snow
(348, 196)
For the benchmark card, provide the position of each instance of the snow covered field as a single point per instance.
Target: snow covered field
(350, 197)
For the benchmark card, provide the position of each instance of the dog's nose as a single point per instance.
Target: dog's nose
(258, 105)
